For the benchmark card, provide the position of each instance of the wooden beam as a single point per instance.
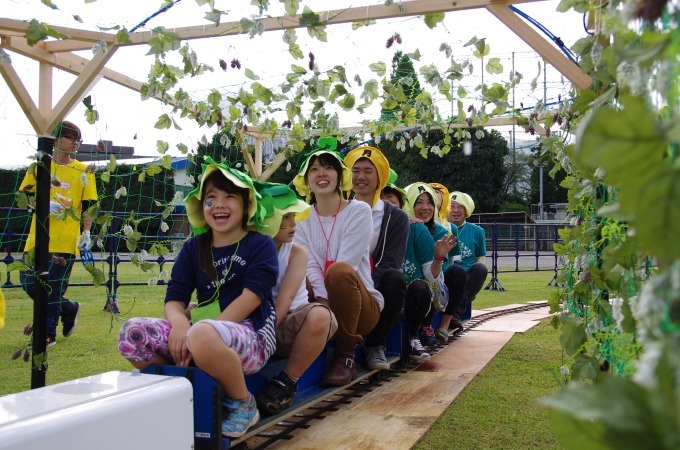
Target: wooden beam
(45, 88)
(541, 45)
(72, 64)
(81, 85)
(249, 161)
(348, 15)
(20, 92)
(12, 27)
(279, 159)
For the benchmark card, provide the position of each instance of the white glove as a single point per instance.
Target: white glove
(56, 208)
(85, 240)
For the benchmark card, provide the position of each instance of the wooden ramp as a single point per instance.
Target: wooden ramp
(397, 414)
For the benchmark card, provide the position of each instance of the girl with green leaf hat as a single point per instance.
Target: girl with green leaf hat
(232, 271)
(337, 237)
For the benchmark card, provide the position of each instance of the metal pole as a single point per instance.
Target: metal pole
(42, 263)
(540, 192)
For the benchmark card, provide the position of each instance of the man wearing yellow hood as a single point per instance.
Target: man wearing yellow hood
(370, 174)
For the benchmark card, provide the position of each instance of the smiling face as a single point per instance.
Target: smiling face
(322, 177)
(286, 230)
(423, 208)
(457, 214)
(223, 210)
(364, 179)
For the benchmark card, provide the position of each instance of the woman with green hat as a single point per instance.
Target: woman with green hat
(302, 327)
(233, 271)
(337, 237)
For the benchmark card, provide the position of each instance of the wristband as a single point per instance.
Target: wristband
(439, 258)
(437, 262)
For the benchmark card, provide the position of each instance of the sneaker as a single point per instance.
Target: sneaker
(442, 335)
(70, 324)
(276, 396)
(375, 358)
(427, 336)
(50, 341)
(239, 416)
(418, 351)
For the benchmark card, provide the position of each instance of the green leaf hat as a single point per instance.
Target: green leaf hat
(390, 183)
(194, 205)
(277, 200)
(413, 191)
(325, 145)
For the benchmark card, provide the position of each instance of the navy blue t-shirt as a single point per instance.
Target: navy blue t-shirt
(255, 266)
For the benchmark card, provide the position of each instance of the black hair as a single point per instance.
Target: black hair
(326, 160)
(396, 193)
(205, 255)
(67, 129)
(430, 223)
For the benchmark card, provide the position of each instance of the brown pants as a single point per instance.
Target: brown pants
(356, 311)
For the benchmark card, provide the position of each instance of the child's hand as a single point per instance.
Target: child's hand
(177, 344)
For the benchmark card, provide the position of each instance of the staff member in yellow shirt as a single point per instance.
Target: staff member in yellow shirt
(72, 191)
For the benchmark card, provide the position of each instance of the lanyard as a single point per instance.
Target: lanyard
(328, 238)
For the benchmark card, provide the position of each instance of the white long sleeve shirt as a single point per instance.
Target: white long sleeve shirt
(345, 237)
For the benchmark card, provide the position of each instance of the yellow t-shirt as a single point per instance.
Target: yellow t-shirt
(71, 184)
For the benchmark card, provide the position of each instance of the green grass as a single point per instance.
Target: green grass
(498, 409)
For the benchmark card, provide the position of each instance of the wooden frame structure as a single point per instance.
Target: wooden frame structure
(58, 54)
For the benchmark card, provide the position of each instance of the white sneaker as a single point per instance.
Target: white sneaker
(375, 358)
(418, 352)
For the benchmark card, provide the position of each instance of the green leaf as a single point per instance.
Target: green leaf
(481, 49)
(162, 146)
(462, 92)
(163, 122)
(153, 169)
(309, 18)
(347, 102)
(21, 199)
(91, 116)
(250, 74)
(35, 32)
(379, 68)
(111, 165)
(166, 161)
(292, 110)
(17, 265)
(87, 101)
(494, 66)
(106, 176)
(616, 413)
(123, 37)
(432, 19)
(318, 32)
(298, 69)
(627, 142)
(49, 4)
(295, 52)
(573, 337)
(415, 55)
(291, 7)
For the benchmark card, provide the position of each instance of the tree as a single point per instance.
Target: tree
(481, 174)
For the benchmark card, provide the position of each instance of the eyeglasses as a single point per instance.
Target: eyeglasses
(73, 139)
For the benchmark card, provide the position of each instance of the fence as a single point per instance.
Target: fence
(517, 247)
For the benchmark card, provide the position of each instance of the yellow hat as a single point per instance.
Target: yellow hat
(413, 191)
(278, 200)
(379, 161)
(463, 199)
(194, 206)
(445, 207)
(324, 145)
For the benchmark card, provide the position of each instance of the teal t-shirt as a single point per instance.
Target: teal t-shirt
(472, 242)
(419, 250)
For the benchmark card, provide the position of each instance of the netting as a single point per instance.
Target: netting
(138, 219)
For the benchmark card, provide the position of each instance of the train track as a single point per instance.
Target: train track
(283, 426)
